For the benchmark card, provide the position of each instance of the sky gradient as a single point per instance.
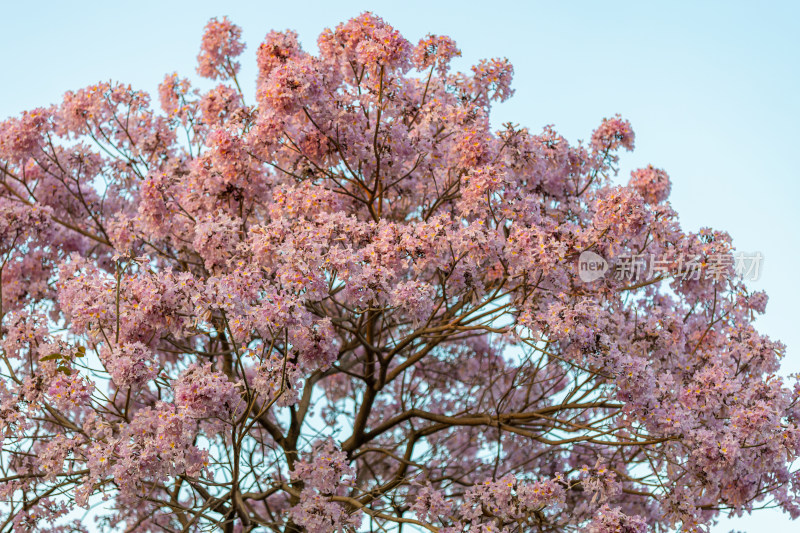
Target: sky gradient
(710, 89)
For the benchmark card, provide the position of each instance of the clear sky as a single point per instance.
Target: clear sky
(711, 89)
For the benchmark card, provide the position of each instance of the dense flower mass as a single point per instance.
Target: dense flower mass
(221, 44)
(356, 306)
(652, 183)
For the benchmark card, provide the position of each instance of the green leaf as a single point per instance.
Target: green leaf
(81, 352)
(65, 370)
(51, 357)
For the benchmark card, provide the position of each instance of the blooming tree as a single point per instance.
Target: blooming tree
(350, 305)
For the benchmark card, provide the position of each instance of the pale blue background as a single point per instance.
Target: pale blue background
(710, 87)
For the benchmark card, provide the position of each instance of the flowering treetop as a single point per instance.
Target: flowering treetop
(355, 306)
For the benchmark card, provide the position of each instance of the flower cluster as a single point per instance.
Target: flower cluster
(509, 500)
(278, 379)
(612, 520)
(435, 51)
(159, 443)
(220, 45)
(207, 394)
(325, 472)
(69, 391)
(368, 40)
(173, 93)
(129, 364)
(652, 183)
(612, 134)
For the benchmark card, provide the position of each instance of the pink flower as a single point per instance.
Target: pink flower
(435, 51)
(611, 134)
(277, 49)
(415, 298)
(68, 391)
(220, 45)
(20, 138)
(368, 40)
(758, 301)
(207, 394)
(130, 364)
(218, 104)
(653, 184)
(173, 94)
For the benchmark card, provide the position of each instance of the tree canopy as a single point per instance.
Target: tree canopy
(345, 303)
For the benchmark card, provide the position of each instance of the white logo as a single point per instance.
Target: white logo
(591, 266)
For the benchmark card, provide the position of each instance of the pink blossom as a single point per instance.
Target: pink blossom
(758, 301)
(612, 134)
(173, 94)
(220, 45)
(652, 183)
(435, 51)
(612, 520)
(130, 364)
(277, 49)
(68, 391)
(204, 393)
(219, 104)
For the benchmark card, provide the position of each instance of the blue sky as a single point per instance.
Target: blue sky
(710, 88)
